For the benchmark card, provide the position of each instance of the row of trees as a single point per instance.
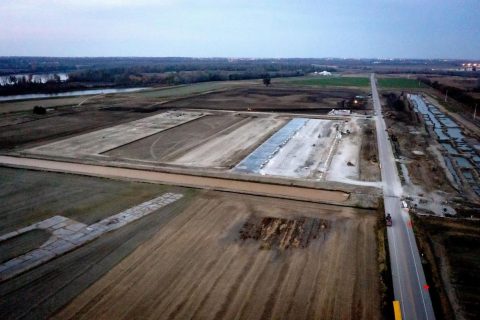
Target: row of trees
(458, 94)
(15, 65)
(168, 74)
(50, 86)
(25, 79)
(144, 76)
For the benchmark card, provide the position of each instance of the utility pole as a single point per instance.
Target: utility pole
(446, 94)
(475, 112)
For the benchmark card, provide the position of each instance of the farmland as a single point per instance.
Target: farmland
(31, 196)
(452, 249)
(333, 81)
(280, 96)
(232, 243)
(220, 142)
(164, 160)
(400, 83)
(202, 248)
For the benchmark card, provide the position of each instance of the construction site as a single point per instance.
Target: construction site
(244, 201)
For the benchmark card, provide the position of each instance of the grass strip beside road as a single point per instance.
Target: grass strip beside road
(400, 83)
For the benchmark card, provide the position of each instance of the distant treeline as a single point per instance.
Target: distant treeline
(146, 76)
(181, 72)
(458, 94)
(133, 71)
(427, 71)
(12, 65)
(24, 85)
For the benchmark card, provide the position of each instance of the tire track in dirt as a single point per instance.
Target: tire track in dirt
(296, 277)
(220, 314)
(198, 267)
(164, 300)
(211, 287)
(269, 306)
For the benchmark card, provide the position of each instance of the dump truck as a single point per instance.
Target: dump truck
(388, 220)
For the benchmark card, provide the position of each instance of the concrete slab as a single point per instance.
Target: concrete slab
(69, 234)
(49, 222)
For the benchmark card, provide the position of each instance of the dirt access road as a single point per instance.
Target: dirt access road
(202, 265)
(273, 190)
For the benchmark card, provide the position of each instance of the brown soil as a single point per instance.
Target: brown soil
(27, 105)
(249, 187)
(177, 141)
(424, 170)
(369, 169)
(41, 291)
(455, 81)
(269, 99)
(451, 248)
(59, 125)
(27, 197)
(279, 233)
(198, 267)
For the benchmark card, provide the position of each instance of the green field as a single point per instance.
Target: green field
(400, 83)
(332, 81)
(194, 88)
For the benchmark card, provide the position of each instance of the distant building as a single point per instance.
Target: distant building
(323, 73)
(470, 66)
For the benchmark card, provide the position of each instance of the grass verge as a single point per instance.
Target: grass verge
(332, 81)
(389, 83)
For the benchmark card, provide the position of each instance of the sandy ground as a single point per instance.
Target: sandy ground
(345, 163)
(106, 139)
(198, 267)
(226, 150)
(172, 143)
(240, 186)
(305, 154)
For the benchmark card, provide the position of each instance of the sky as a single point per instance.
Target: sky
(447, 29)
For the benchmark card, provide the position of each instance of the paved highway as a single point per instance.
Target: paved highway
(410, 287)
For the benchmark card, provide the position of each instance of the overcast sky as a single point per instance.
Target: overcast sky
(253, 28)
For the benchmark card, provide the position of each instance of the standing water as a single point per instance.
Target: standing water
(67, 94)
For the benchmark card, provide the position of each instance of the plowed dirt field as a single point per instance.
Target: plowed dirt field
(211, 262)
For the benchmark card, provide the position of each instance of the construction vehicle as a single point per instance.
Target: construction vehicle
(388, 220)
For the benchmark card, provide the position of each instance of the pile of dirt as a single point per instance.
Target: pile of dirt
(283, 233)
(196, 267)
(369, 169)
